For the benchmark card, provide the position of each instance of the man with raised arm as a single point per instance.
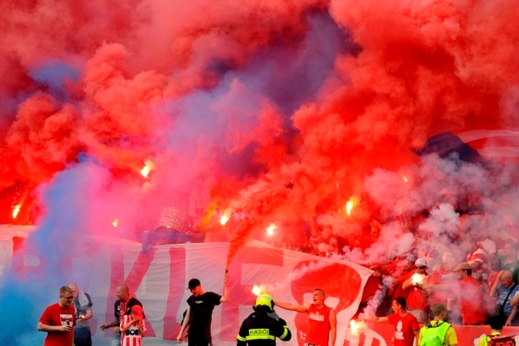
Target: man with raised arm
(322, 321)
(200, 312)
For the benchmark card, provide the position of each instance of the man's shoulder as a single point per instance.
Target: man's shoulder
(249, 320)
(469, 281)
(409, 317)
(211, 293)
(134, 301)
(212, 296)
(52, 306)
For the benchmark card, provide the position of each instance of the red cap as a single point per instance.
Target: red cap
(137, 312)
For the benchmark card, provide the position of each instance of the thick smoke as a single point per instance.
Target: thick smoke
(274, 111)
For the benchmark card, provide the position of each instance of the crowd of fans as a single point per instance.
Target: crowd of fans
(472, 271)
(474, 274)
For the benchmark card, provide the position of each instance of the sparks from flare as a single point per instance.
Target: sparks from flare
(16, 210)
(270, 229)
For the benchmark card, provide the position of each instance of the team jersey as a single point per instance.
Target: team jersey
(318, 325)
(132, 337)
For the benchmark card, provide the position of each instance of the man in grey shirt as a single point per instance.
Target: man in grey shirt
(83, 306)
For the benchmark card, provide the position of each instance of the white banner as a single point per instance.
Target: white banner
(158, 278)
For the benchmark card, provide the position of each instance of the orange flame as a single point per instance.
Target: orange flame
(352, 202)
(115, 223)
(405, 179)
(16, 210)
(349, 207)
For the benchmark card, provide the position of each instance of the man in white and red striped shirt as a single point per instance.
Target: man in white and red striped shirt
(133, 328)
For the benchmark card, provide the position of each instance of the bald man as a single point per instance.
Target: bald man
(83, 307)
(322, 320)
(123, 306)
(505, 290)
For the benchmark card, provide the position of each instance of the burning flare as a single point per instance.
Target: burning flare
(225, 217)
(352, 202)
(115, 223)
(16, 210)
(257, 290)
(148, 167)
(356, 327)
(417, 278)
(405, 179)
(270, 229)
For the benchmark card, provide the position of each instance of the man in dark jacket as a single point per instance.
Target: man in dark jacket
(123, 306)
(259, 329)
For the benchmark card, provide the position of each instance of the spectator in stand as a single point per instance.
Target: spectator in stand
(417, 299)
(477, 258)
(495, 268)
(444, 276)
(470, 296)
(505, 289)
(509, 259)
(479, 230)
(322, 240)
(406, 325)
(407, 271)
(367, 240)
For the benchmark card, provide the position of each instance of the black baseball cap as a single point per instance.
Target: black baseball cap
(193, 283)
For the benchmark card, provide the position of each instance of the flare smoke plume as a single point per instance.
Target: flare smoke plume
(277, 110)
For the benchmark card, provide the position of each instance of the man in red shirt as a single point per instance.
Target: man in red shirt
(471, 299)
(477, 258)
(408, 271)
(322, 321)
(59, 319)
(406, 325)
(417, 298)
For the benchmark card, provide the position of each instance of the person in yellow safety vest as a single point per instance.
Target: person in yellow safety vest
(259, 329)
(438, 332)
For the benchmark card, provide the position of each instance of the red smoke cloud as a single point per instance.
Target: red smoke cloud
(219, 90)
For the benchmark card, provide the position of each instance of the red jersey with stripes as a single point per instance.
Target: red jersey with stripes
(132, 337)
